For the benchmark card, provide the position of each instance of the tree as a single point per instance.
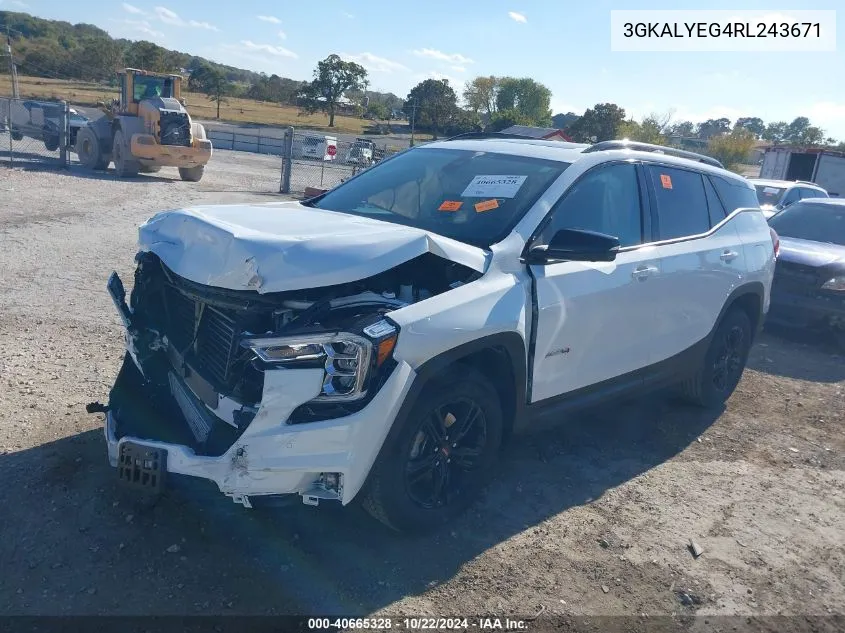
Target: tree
(714, 127)
(464, 121)
(812, 136)
(732, 149)
(212, 82)
(776, 132)
(650, 130)
(754, 125)
(436, 103)
(796, 130)
(146, 56)
(599, 123)
(332, 78)
(528, 97)
(480, 94)
(503, 119)
(563, 121)
(684, 129)
(378, 111)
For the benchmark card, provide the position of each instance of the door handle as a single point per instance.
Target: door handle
(728, 256)
(643, 272)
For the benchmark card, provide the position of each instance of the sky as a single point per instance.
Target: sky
(561, 43)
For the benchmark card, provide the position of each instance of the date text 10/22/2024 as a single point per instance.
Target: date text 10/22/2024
(417, 624)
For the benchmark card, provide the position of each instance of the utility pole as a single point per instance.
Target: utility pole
(13, 70)
(413, 119)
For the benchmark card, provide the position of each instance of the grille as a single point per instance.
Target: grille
(175, 129)
(795, 278)
(216, 335)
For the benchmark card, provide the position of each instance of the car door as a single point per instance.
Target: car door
(699, 267)
(595, 319)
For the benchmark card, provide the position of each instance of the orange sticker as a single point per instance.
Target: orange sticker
(487, 205)
(450, 205)
(666, 181)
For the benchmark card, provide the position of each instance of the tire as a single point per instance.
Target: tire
(191, 174)
(88, 150)
(17, 136)
(123, 164)
(402, 488)
(713, 384)
(51, 143)
(150, 169)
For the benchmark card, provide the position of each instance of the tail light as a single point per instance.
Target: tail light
(775, 241)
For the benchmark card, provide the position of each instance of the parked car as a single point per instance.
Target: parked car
(776, 195)
(383, 340)
(809, 284)
(41, 120)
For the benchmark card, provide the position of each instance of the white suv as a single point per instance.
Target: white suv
(382, 341)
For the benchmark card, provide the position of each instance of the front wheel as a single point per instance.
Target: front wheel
(124, 164)
(191, 174)
(51, 143)
(441, 457)
(713, 384)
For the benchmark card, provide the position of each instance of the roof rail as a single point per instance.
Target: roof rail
(806, 182)
(604, 146)
(481, 135)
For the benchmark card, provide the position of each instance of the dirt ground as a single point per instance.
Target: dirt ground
(591, 518)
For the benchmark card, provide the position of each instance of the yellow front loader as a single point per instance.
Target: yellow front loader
(146, 129)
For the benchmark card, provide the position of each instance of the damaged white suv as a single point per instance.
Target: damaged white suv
(382, 341)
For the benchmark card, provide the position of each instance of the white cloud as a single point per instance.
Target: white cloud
(172, 18)
(433, 74)
(559, 106)
(141, 27)
(272, 19)
(282, 35)
(374, 63)
(269, 49)
(348, 15)
(517, 17)
(132, 9)
(458, 69)
(453, 58)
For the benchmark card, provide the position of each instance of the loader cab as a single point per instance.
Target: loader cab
(137, 85)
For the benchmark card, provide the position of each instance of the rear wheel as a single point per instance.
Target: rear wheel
(192, 174)
(713, 384)
(124, 165)
(441, 457)
(51, 143)
(88, 150)
(17, 136)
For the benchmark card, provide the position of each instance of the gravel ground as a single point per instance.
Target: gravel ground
(591, 518)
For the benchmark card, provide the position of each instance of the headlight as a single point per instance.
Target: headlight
(347, 359)
(837, 284)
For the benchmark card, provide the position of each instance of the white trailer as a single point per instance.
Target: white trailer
(822, 167)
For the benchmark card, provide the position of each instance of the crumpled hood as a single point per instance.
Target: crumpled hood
(287, 246)
(809, 253)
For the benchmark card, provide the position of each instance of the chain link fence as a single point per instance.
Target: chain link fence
(312, 162)
(36, 133)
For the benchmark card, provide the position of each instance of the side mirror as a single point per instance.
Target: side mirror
(576, 245)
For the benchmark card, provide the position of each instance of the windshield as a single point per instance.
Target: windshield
(766, 194)
(474, 197)
(147, 87)
(808, 221)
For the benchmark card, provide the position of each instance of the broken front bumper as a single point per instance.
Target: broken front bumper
(270, 457)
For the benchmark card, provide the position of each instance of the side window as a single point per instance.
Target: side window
(792, 196)
(734, 195)
(714, 205)
(806, 192)
(681, 202)
(605, 200)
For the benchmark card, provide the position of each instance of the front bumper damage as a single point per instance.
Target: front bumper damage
(322, 459)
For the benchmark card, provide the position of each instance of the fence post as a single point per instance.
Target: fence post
(64, 124)
(287, 161)
(11, 145)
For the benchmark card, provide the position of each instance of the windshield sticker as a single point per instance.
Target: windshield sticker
(666, 181)
(493, 187)
(450, 205)
(487, 205)
(771, 190)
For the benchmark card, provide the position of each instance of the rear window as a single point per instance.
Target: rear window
(766, 194)
(815, 222)
(474, 197)
(681, 202)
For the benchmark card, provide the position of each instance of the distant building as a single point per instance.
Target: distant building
(540, 133)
